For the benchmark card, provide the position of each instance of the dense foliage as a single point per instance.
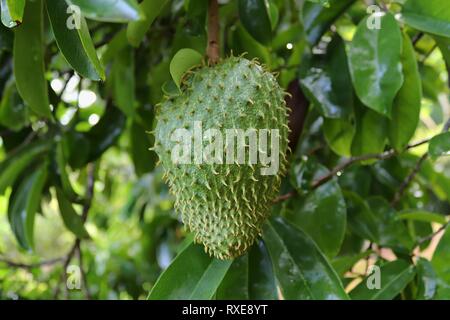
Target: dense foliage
(85, 212)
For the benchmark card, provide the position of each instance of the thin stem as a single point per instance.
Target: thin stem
(212, 49)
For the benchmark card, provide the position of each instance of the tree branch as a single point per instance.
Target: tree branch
(349, 162)
(31, 265)
(212, 49)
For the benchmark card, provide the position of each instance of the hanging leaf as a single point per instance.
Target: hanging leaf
(406, 107)
(14, 164)
(439, 145)
(23, 204)
(420, 215)
(326, 81)
(255, 17)
(427, 280)
(123, 81)
(318, 19)
(182, 61)
(13, 112)
(250, 277)
(301, 269)
(74, 41)
(70, 217)
(137, 29)
(313, 215)
(29, 60)
(393, 276)
(108, 10)
(375, 65)
(12, 12)
(432, 16)
(192, 275)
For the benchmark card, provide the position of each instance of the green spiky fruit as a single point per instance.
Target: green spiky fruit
(225, 205)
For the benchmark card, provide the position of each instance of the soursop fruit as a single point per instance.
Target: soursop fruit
(224, 200)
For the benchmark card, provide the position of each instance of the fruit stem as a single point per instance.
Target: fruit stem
(212, 49)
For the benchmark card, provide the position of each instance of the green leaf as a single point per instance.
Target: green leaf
(371, 132)
(439, 145)
(74, 41)
(420, 215)
(141, 141)
(427, 280)
(273, 14)
(250, 277)
(191, 275)
(339, 134)
(61, 171)
(361, 219)
(394, 277)
(392, 232)
(29, 60)
(318, 19)
(406, 107)
(255, 17)
(301, 269)
(375, 65)
(23, 204)
(313, 215)
(137, 29)
(109, 10)
(441, 257)
(325, 81)
(71, 219)
(12, 12)
(210, 280)
(182, 61)
(123, 81)
(14, 164)
(13, 112)
(242, 42)
(105, 133)
(343, 264)
(432, 16)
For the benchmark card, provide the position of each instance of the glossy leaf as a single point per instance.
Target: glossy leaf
(427, 280)
(371, 132)
(420, 215)
(23, 204)
(74, 41)
(255, 17)
(392, 232)
(29, 60)
(12, 12)
(441, 257)
(343, 264)
(109, 10)
(313, 215)
(191, 275)
(439, 145)
(361, 219)
(243, 42)
(137, 29)
(13, 112)
(250, 277)
(431, 16)
(406, 107)
(394, 277)
(123, 81)
(318, 19)
(70, 217)
(182, 61)
(301, 269)
(339, 134)
(375, 65)
(141, 141)
(326, 81)
(13, 165)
